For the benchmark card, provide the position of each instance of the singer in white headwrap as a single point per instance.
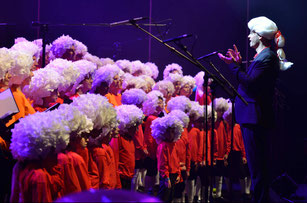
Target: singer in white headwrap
(256, 85)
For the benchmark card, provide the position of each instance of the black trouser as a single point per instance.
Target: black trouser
(167, 194)
(126, 183)
(257, 151)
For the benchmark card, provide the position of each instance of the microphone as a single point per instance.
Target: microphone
(177, 38)
(208, 55)
(125, 22)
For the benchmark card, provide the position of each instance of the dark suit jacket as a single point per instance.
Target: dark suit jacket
(256, 85)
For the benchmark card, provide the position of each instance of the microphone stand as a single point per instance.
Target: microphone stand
(44, 29)
(194, 61)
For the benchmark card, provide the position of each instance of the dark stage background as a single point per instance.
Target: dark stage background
(215, 25)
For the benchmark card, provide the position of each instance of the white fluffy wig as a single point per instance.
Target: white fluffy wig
(99, 110)
(134, 96)
(199, 80)
(174, 78)
(151, 104)
(106, 74)
(22, 67)
(80, 48)
(164, 86)
(179, 103)
(187, 79)
(125, 65)
(138, 67)
(106, 61)
(183, 117)
(6, 61)
(129, 116)
(60, 46)
(36, 135)
(196, 111)
(167, 128)
(67, 70)
(170, 68)
(27, 47)
(93, 59)
(227, 116)
(154, 69)
(221, 104)
(135, 82)
(209, 113)
(43, 82)
(76, 120)
(86, 68)
(148, 80)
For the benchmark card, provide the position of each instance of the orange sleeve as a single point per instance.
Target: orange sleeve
(24, 107)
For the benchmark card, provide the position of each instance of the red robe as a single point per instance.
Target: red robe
(139, 144)
(168, 161)
(71, 182)
(203, 147)
(126, 164)
(103, 157)
(35, 183)
(194, 138)
(183, 150)
(238, 143)
(201, 98)
(149, 140)
(222, 139)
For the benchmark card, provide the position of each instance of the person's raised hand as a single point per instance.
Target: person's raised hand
(232, 55)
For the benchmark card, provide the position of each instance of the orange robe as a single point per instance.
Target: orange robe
(23, 104)
(115, 100)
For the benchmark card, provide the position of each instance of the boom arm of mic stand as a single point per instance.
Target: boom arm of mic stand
(227, 82)
(193, 60)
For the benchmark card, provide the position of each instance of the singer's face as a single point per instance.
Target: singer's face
(254, 39)
(186, 90)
